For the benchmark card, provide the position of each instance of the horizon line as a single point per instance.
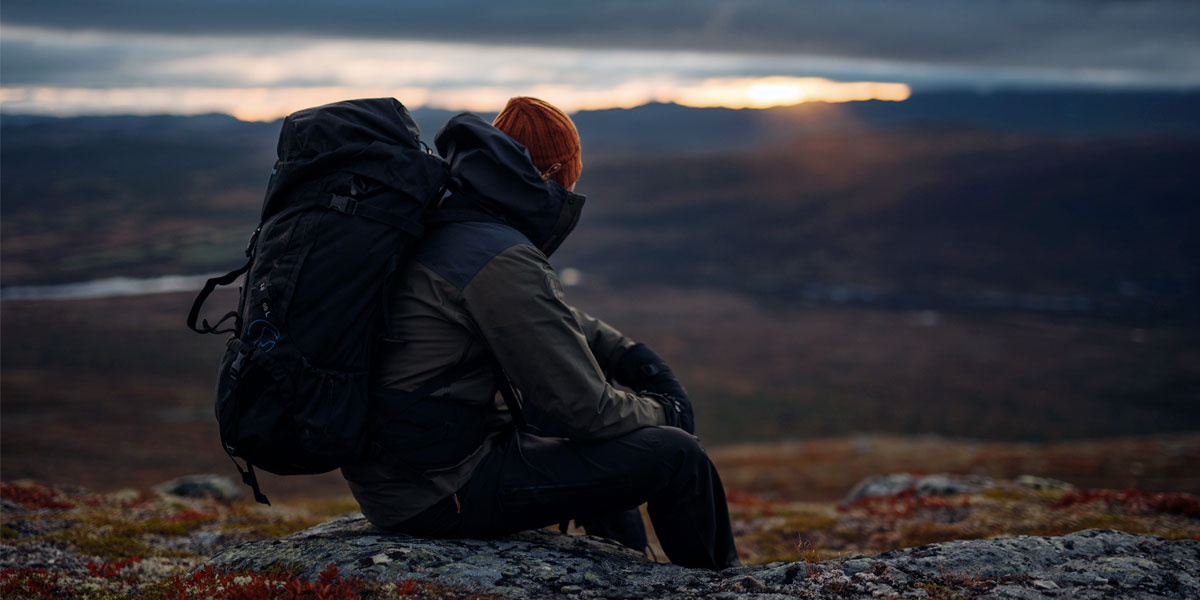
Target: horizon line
(5, 111)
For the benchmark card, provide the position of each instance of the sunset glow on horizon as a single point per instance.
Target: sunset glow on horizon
(270, 103)
(765, 92)
(265, 79)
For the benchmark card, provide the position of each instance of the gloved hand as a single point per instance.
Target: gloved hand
(678, 409)
(644, 371)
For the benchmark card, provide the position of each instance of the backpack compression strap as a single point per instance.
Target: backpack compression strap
(248, 476)
(249, 479)
(350, 206)
(209, 286)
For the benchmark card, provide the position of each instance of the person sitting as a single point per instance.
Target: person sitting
(481, 311)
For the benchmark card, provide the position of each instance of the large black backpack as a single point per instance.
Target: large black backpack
(343, 211)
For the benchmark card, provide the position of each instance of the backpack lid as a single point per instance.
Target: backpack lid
(350, 123)
(375, 138)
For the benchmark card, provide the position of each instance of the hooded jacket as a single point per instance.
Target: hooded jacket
(479, 295)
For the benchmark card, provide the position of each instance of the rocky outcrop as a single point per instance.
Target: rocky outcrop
(206, 485)
(928, 485)
(542, 564)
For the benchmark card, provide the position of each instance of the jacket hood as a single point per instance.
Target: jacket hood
(492, 174)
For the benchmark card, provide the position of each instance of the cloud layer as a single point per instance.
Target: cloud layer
(1146, 36)
(194, 55)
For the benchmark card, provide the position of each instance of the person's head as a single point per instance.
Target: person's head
(547, 133)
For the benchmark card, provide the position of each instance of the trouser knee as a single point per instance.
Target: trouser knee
(683, 447)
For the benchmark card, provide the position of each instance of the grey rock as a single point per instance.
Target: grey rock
(41, 555)
(928, 485)
(1014, 592)
(781, 574)
(1042, 584)
(1042, 483)
(542, 564)
(217, 487)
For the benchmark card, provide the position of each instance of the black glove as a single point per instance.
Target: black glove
(644, 371)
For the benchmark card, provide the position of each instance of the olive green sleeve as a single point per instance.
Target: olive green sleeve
(517, 303)
(606, 343)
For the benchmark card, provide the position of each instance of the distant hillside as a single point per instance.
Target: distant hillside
(910, 218)
(672, 128)
(1069, 202)
(675, 128)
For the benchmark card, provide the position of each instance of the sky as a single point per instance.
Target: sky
(261, 59)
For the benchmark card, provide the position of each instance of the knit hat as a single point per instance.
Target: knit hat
(547, 133)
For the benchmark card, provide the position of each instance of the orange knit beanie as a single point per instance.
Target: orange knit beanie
(547, 133)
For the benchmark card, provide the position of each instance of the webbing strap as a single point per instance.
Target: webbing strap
(443, 379)
(446, 378)
(511, 398)
(350, 206)
(249, 479)
(209, 286)
(456, 372)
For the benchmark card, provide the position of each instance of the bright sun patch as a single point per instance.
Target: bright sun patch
(782, 91)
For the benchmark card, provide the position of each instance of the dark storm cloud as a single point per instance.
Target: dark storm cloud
(1156, 37)
(25, 61)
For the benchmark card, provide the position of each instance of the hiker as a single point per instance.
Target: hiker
(480, 308)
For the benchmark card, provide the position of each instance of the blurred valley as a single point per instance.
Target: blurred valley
(1010, 267)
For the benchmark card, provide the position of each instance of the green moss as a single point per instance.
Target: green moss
(941, 592)
(271, 529)
(1191, 533)
(107, 595)
(154, 591)
(1048, 496)
(332, 507)
(156, 526)
(102, 544)
(283, 570)
(1130, 524)
(1006, 495)
(850, 534)
(809, 521)
(8, 534)
(1018, 495)
(173, 553)
(1127, 523)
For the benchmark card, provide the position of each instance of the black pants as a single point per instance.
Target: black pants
(528, 482)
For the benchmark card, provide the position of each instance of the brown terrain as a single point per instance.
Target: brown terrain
(113, 393)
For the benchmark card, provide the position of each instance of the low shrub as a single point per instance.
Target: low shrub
(1175, 503)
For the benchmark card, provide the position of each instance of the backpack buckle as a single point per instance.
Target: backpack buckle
(253, 239)
(344, 204)
(235, 368)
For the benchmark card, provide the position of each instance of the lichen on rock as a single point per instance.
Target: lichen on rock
(543, 564)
